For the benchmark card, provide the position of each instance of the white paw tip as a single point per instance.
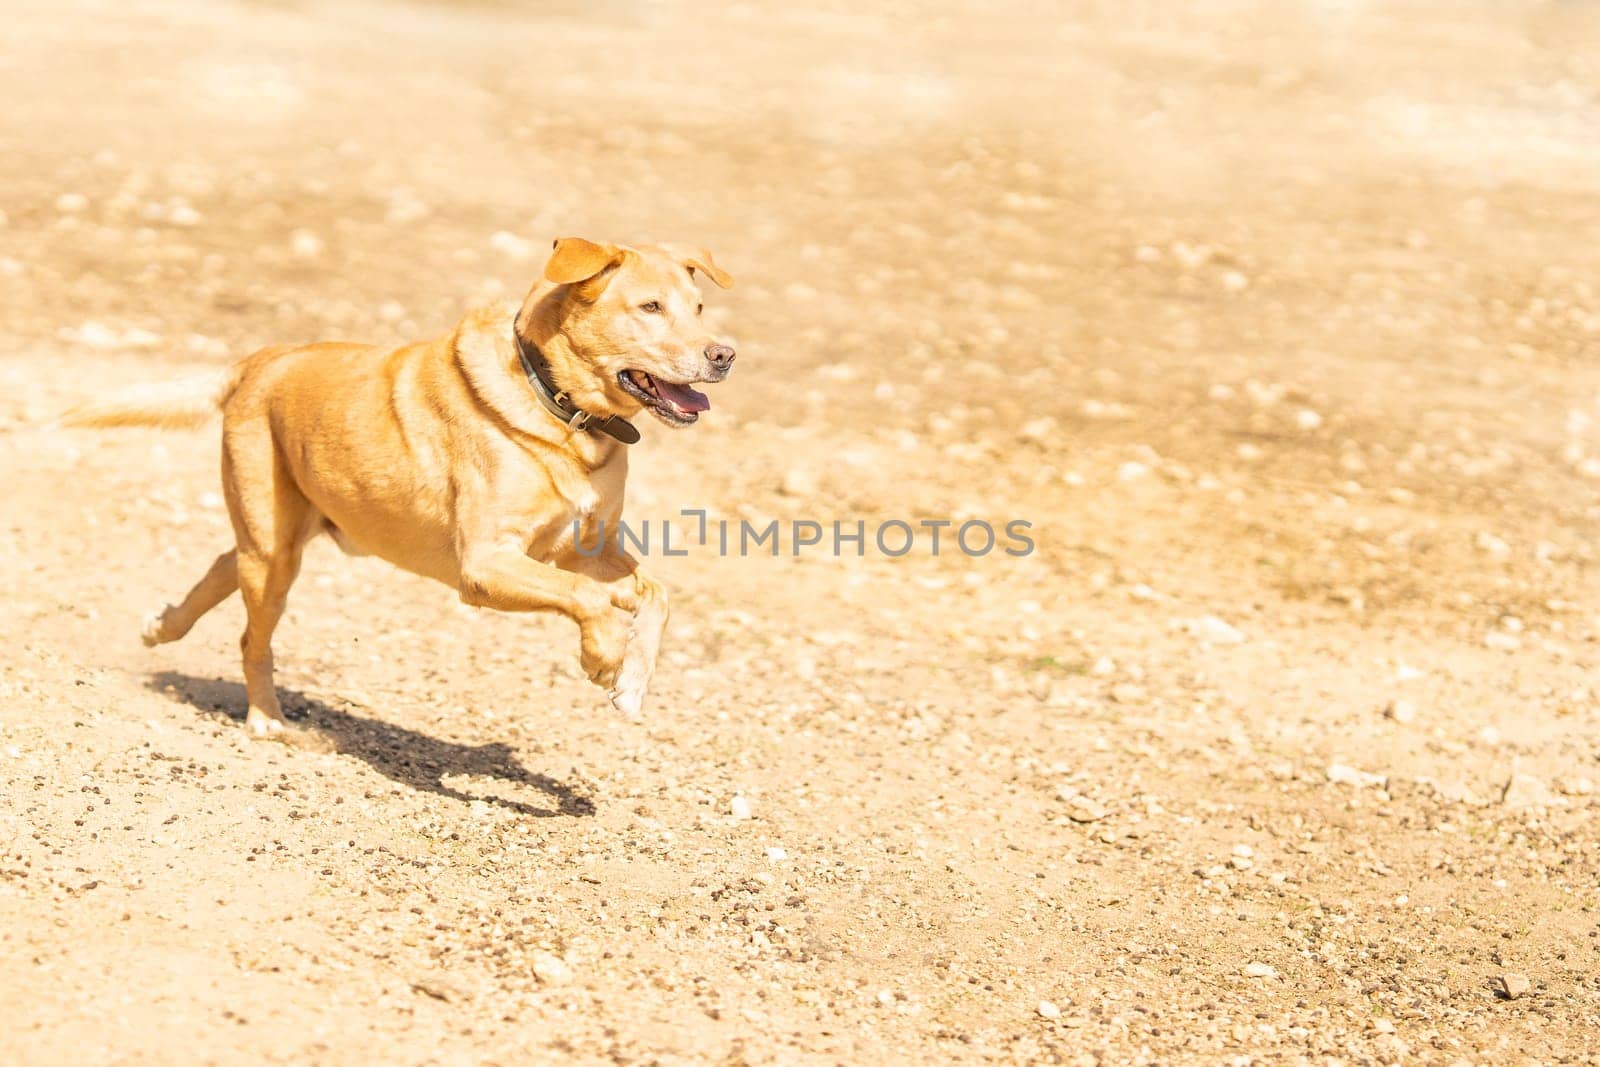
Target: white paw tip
(263, 728)
(150, 632)
(628, 701)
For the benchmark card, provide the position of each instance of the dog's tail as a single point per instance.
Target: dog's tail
(176, 405)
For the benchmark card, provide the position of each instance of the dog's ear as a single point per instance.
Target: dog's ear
(698, 259)
(576, 260)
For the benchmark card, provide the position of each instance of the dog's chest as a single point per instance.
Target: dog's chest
(585, 498)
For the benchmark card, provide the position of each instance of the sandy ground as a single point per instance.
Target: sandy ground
(1278, 321)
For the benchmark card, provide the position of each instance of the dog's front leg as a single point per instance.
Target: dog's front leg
(645, 599)
(505, 578)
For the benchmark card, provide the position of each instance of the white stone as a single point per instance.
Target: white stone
(1132, 471)
(1343, 774)
(1214, 631)
(799, 482)
(1083, 810)
(1492, 546)
(1039, 429)
(1527, 791)
(306, 245)
(1126, 693)
(1501, 641)
(509, 244)
(1515, 985)
(551, 969)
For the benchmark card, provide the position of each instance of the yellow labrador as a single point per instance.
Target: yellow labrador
(467, 458)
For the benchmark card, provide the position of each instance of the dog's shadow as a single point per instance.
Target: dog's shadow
(406, 756)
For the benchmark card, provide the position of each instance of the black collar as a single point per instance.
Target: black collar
(559, 404)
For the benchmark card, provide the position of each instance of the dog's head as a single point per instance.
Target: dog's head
(630, 331)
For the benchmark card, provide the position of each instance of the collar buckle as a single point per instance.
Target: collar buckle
(559, 404)
(579, 419)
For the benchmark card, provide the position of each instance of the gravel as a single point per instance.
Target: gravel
(1117, 771)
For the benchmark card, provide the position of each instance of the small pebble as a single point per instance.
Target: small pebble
(1342, 774)
(1126, 693)
(1084, 810)
(305, 244)
(1260, 970)
(438, 989)
(1526, 791)
(1513, 985)
(1214, 631)
(510, 245)
(1049, 1010)
(551, 969)
(1501, 641)
(798, 482)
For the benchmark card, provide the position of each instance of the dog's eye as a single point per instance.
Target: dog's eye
(699, 308)
(652, 308)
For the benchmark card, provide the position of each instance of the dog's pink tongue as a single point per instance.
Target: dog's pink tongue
(682, 397)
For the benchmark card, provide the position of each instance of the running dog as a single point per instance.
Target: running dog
(471, 458)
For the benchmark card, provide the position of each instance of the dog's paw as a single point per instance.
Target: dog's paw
(263, 727)
(628, 700)
(601, 672)
(638, 662)
(154, 630)
(605, 642)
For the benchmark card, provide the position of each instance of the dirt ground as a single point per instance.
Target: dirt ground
(1279, 321)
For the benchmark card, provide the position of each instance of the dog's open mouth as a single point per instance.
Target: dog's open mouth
(677, 405)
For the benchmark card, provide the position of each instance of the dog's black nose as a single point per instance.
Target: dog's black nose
(721, 355)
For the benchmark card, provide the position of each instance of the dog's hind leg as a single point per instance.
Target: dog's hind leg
(273, 520)
(175, 620)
